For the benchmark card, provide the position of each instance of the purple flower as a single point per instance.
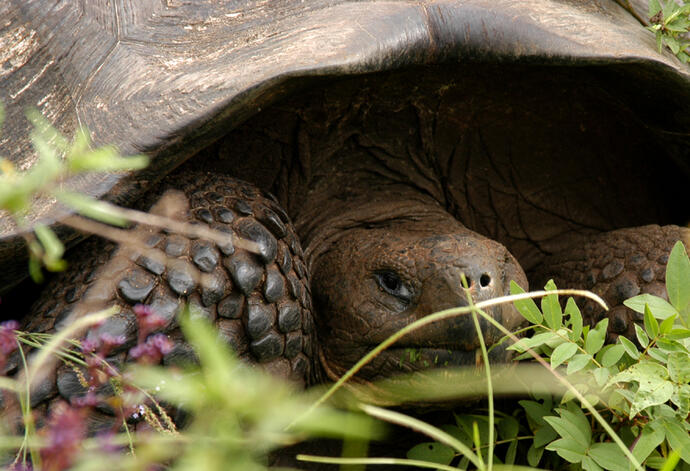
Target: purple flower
(21, 467)
(88, 400)
(109, 342)
(8, 340)
(148, 320)
(64, 433)
(106, 442)
(95, 351)
(153, 350)
(89, 346)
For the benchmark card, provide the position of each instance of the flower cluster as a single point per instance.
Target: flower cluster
(8, 340)
(66, 427)
(152, 351)
(148, 321)
(64, 433)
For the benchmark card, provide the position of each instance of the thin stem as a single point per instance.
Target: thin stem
(376, 461)
(428, 430)
(487, 366)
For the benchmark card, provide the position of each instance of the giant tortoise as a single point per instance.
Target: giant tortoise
(407, 143)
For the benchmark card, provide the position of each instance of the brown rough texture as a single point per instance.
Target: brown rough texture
(615, 265)
(260, 303)
(168, 78)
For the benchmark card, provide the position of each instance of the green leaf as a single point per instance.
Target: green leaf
(641, 336)
(91, 208)
(596, 337)
(578, 362)
(35, 269)
(609, 456)
(588, 464)
(43, 130)
(654, 7)
(81, 158)
(52, 246)
(681, 398)
(667, 324)
(679, 367)
(678, 277)
(678, 437)
(215, 357)
(653, 389)
(568, 449)
(601, 375)
(562, 353)
(670, 346)
(432, 452)
(651, 394)
(659, 307)
(612, 355)
(544, 435)
(552, 308)
(572, 425)
(658, 355)
(672, 43)
(536, 411)
(648, 440)
(575, 317)
(669, 8)
(678, 334)
(511, 453)
(534, 455)
(526, 307)
(629, 347)
(533, 342)
(650, 324)
(508, 427)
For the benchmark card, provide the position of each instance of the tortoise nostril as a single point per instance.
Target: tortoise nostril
(484, 280)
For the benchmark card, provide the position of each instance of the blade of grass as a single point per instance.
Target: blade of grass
(8, 384)
(487, 367)
(375, 461)
(422, 427)
(71, 331)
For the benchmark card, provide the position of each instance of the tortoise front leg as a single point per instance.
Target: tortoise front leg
(259, 302)
(616, 265)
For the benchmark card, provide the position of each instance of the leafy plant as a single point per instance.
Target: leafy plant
(642, 391)
(625, 406)
(670, 22)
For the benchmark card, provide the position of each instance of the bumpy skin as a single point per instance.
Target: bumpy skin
(616, 265)
(260, 303)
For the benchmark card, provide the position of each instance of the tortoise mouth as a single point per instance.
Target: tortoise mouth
(408, 359)
(423, 357)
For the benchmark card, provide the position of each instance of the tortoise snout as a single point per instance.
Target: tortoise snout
(487, 268)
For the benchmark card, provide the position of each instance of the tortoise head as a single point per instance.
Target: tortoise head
(375, 281)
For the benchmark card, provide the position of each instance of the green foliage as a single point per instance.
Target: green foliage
(57, 161)
(642, 391)
(239, 415)
(670, 22)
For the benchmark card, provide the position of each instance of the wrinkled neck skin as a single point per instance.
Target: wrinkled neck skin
(357, 231)
(332, 215)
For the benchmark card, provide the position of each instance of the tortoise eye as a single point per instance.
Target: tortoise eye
(392, 284)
